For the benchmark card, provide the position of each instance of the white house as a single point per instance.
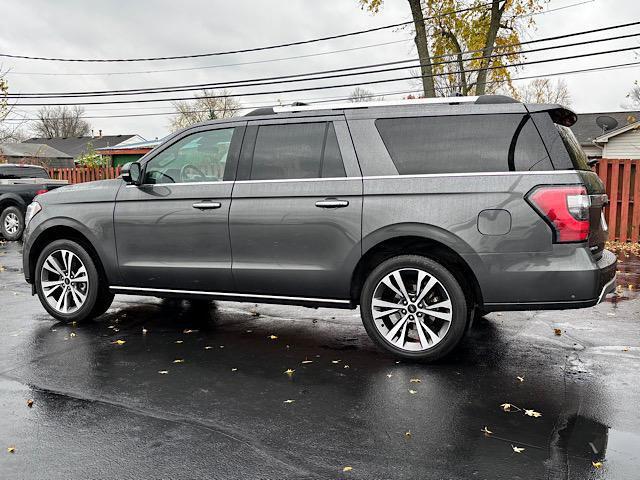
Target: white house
(623, 142)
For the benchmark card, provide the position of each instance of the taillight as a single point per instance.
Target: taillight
(565, 209)
(40, 192)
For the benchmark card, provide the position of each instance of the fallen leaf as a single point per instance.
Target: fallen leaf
(273, 337)
(517, 449)
(221, 346)
(407, 434)
(506, 407)
(144, 331)
(249, 331)
(486, 431)
(520, 378)
(557, 331)
(179, 341)
(72, 334)
(11, 449)
(179, 360)
(413, 392)
(119, 342)
(208, 347)
(116, 330)
(289, 401)
(234, 369)
(188, 330)
(347, 469)
(597, 464)
(389, 375)
(625, 349)
(163, 372)
(289, 372)
(29, 403)
(306, 361)
(415, 380)
(532, 413)
(336, 361)
(346, 366)
(630, 286)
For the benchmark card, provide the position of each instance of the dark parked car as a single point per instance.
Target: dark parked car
(19, 184)
(424, 213)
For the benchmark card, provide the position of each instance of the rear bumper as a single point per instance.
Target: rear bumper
(584, 285)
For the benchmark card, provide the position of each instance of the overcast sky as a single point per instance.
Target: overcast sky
(110, 28)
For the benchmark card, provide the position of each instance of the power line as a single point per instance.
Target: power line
(333, 99)
(371, 82)
(314, 75)
(245, 50)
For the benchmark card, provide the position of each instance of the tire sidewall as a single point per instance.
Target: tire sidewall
(458, 302)
(20, 215)
(86, 310)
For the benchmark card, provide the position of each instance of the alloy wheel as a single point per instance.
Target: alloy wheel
(64, 281)
(11, 223)
(411, 309)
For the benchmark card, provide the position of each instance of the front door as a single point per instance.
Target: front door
(295, 220)
(172, 231)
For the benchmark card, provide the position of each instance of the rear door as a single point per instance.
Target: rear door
(295, 220)
(172, 232)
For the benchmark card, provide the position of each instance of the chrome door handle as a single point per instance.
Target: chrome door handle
(332, 203)
(207, 205)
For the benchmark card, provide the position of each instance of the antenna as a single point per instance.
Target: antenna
(606, 123)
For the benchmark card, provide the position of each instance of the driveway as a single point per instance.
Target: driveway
(159, 389)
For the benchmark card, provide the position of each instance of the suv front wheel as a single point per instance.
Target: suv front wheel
(68, 283)
(414, 307)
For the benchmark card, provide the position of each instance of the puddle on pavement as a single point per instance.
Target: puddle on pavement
(628, 279)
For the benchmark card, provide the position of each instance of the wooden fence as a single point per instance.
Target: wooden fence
(79, 175)
(622, 179)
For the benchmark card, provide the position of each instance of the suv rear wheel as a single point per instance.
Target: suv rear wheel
(68, 283)
(11, 223)
(414, 307)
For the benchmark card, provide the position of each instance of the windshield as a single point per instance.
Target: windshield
(577, 155)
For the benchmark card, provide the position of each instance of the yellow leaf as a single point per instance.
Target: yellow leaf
(289, 372)
(273, 337)
(517, 449)
(532, 413)
(11, 449)
(520, 378)
(289, 401)
(415, 380)
(29, 403)
(557, 331)
(179, 360)
(486, 431)
(347, 469)
(306, 361)
(163, 372)
(597, 464)
(625, 349)
(413, 392)
(506, 407)
(119, 342)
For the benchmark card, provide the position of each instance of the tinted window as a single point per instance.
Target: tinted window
(577, 155)
(296, 151)
(199, 157)
(22, 172)
(466, 143)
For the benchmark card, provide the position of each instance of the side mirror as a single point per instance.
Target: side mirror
(131, 173)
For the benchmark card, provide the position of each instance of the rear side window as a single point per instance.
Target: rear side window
(22, 172)
(303, 150)
(465, 143)
(577, 155)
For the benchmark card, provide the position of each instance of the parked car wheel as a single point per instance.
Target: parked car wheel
(12, 223)
(414, 307)
(68, 283)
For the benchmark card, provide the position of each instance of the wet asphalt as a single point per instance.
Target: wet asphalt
(226, 409)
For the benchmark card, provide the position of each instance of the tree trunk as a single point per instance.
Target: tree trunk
(422, 46)
(464, 89)
(492, 33)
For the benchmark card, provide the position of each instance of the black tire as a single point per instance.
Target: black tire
(98, 298)
(458, 322)
(14, 213)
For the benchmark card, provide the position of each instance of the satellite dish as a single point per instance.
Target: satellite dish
(605, 122)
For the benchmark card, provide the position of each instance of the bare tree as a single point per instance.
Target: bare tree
(61, 121)
(208, 105)
(543, 90)
(10, 128)
(363, 95)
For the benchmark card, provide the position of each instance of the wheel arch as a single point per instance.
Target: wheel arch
(65, 231)
(418, 239)
(11, 200)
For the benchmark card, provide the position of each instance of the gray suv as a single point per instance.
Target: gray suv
(424, 213)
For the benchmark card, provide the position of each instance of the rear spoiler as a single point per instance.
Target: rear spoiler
(559, 114)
